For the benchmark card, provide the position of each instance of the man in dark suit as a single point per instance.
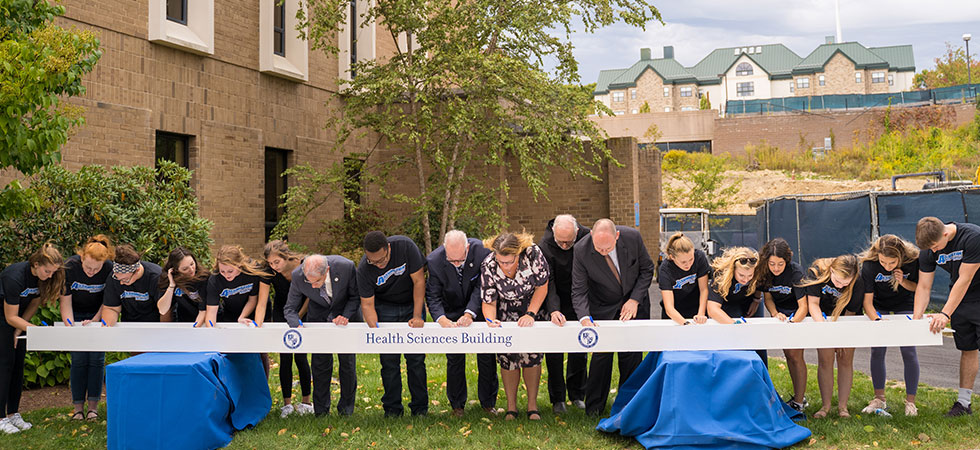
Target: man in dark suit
(453, 295)
(558, 247)
(331, 285)
(611, 274)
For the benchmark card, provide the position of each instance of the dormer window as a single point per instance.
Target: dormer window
(743, 69)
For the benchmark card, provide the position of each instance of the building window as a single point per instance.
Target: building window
(357, 39)
(634, 111)
(743, 69)
(891, 79)
(685, 92)
(791, 87)
(666, 91)
(857, 77)
(822, 80)
(619, 113)
(746, 89)
(177, 11)
(618, 96)
(353, 168)
(803, 82)
(688, 108)
(172, 147)
(666, 109)
(279, 29)
(632, 94)
(877, 77)
(275, 186)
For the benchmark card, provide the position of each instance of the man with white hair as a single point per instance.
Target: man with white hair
(453, 295)
(331, 285)
(558, 247)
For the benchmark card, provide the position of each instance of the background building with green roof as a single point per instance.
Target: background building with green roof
(752, 73)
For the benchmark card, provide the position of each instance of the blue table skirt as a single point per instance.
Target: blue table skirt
(703, 400)
(184, 400)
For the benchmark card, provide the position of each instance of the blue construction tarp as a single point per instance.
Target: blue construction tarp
(850, 101)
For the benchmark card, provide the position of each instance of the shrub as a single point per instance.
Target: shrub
(152, 209)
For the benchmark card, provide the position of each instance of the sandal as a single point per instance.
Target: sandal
(533, 412)
(510, 415)
(78, 416)
(843, 413)
(92, 415)
(820, 414)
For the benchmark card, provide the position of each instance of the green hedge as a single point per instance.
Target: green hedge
(153, 209)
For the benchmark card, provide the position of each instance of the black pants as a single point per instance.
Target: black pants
(286, 374)
(600, 377)
(560, 382)
(391, 377)
(322, 371)
(11, 370)
(487, 384)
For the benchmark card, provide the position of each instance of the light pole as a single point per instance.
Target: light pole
(969, 78)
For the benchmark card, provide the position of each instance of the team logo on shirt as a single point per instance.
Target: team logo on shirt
(949, 257)
(391, 273)
(686, 280)
(93, 288)
(30, 291)
(882, 278)
(292, 339)
(785, 290)
(588, 337)
(737, 287)
(830, 290)
(138, 296)
(243, 289)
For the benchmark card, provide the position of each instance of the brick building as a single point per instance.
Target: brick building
(228, 89)
(754, 72)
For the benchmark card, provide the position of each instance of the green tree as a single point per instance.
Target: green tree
(645, 108)
(950, 70)
(41, 64)
(706, 101)
(701, 181)
(480, 86)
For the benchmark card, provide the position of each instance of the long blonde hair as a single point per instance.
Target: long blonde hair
(724, 269)
(891, 246)
(50, 289)
(844, 266)
(233, 255)
(509, 243)
(677, 244)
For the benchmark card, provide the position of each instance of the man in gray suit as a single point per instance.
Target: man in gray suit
(331, 285)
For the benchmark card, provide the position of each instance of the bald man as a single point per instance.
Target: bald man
(611, 275)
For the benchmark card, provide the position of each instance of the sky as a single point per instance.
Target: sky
(695, 27)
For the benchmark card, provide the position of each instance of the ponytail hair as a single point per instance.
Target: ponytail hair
(844, 266)
(99, 248)
(891, 246)
(677, 244)
(510, 243)
(52, 288)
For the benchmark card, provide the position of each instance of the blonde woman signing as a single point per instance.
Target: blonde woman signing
(733, 295)
(514, 280)
(683, 280)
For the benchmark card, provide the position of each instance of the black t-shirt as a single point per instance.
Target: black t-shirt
(963, 248)
(280, 286)
(785, 290)
(684, 284)
(190, 302)
(877, 281)
(85, 291)
(231, 296)
(393, 284)
(19, 286)
(737, 302)
(829, 294)
(138, 300)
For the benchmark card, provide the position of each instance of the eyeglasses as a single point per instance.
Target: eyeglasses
(123, 277)
(378, 261)
(565, 244)
(457, 262)
(747, 261)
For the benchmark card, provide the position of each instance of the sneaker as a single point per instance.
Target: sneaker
(16, 420)
(959, 410)
(799, 407)
(286, 410)
(874, 405)
(580, 404)
(559, 408)
(8, 427)
(303, 409)
(910, 409)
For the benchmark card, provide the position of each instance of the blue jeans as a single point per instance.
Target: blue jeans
(87, 372)
(391, 377)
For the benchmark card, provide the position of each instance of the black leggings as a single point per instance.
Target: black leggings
(11, 371)
(286, 373)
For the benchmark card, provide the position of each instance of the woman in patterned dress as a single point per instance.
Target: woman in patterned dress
(515, 283)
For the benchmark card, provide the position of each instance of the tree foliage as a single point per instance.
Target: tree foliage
(480, 85)
(703, 183)
(41, 65)
(950, 69)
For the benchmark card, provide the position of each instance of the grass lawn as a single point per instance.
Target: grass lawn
(369, 429)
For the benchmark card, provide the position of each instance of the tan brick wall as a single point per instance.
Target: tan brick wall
(650, 88)
(839, 72)
(680, 102)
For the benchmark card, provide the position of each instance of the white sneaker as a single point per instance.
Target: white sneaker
(874, 405)
(286, 410)
(910, 409)
(304, 409)
(19, 422)
(8, 427)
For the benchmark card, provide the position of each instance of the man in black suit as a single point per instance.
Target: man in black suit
(331, 285)
(611, 274)
(453, 295)
(558, 246)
